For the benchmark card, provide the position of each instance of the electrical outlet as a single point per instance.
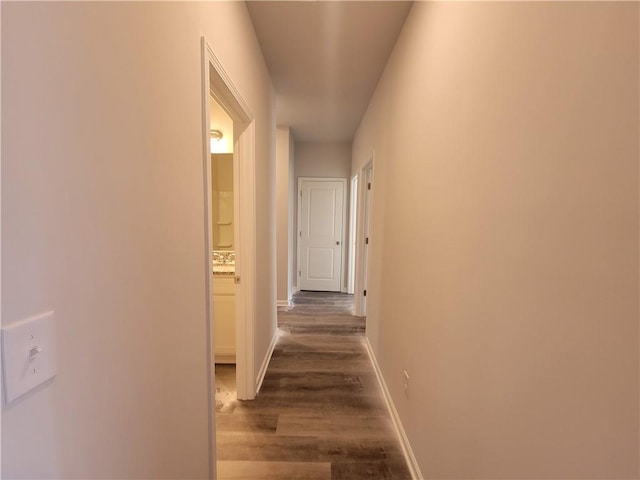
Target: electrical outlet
(405, 379)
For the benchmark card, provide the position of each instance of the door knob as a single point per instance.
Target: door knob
(338, 243)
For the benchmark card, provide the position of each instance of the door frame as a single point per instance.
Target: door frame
(216, 83)
(353, 227)
(299, 221)
(364, 217)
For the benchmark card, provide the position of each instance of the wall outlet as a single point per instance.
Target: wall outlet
(405, 382)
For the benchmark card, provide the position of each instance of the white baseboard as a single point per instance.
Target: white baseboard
(267, 359)
(284, 303)
(293, 291)
(225, 359)
(225, 354)
(404, 441)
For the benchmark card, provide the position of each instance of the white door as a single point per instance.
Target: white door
(320, 241)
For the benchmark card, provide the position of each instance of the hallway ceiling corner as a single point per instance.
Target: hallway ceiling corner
(325, 60)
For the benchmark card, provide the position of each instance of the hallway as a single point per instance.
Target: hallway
(320, 413)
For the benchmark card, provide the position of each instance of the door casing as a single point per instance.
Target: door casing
(216, 82)
(364, 217)
(353, 222)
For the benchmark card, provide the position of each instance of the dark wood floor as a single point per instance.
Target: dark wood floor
(320, 413)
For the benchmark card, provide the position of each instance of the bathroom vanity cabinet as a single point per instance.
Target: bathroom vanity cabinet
(224, 309)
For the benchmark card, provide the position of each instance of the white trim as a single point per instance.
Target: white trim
(226, 92)
(208, 280)
(353, 230)
(344, 214)
(283, 303)
(230, 98)
(5, 242)
(217, 83)
(267, 359)
(412, 463)
(363, 210)
(246, 265)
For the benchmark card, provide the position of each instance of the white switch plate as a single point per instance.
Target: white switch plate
(29, 356)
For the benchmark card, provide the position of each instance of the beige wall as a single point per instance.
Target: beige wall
(284, 174)
(292, 282)
(506, 224)
(103, 222)
(323, 160)
(330, 160)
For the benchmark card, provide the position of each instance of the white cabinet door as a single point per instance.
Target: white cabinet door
(224, 319)
(320, 234)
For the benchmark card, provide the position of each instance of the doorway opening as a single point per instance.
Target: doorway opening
(223, 250)
(229, 221)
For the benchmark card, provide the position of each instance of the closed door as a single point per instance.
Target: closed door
(320, 234)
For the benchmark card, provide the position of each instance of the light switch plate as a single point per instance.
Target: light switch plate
(29, 356)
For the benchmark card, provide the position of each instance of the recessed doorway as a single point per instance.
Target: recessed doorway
(223, 249)
(321, 215)
(234, 236)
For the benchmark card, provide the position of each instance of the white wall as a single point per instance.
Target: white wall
(506, 225)
(331, 160)
(103, 222)
(1, 196)
(284, 175)
(323, 160)
(292, 282)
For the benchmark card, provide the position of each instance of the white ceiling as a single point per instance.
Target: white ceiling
(325, 59)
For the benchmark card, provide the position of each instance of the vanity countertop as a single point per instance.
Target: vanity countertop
(224, 262)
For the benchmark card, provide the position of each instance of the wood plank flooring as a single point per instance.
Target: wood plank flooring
(320, 413)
